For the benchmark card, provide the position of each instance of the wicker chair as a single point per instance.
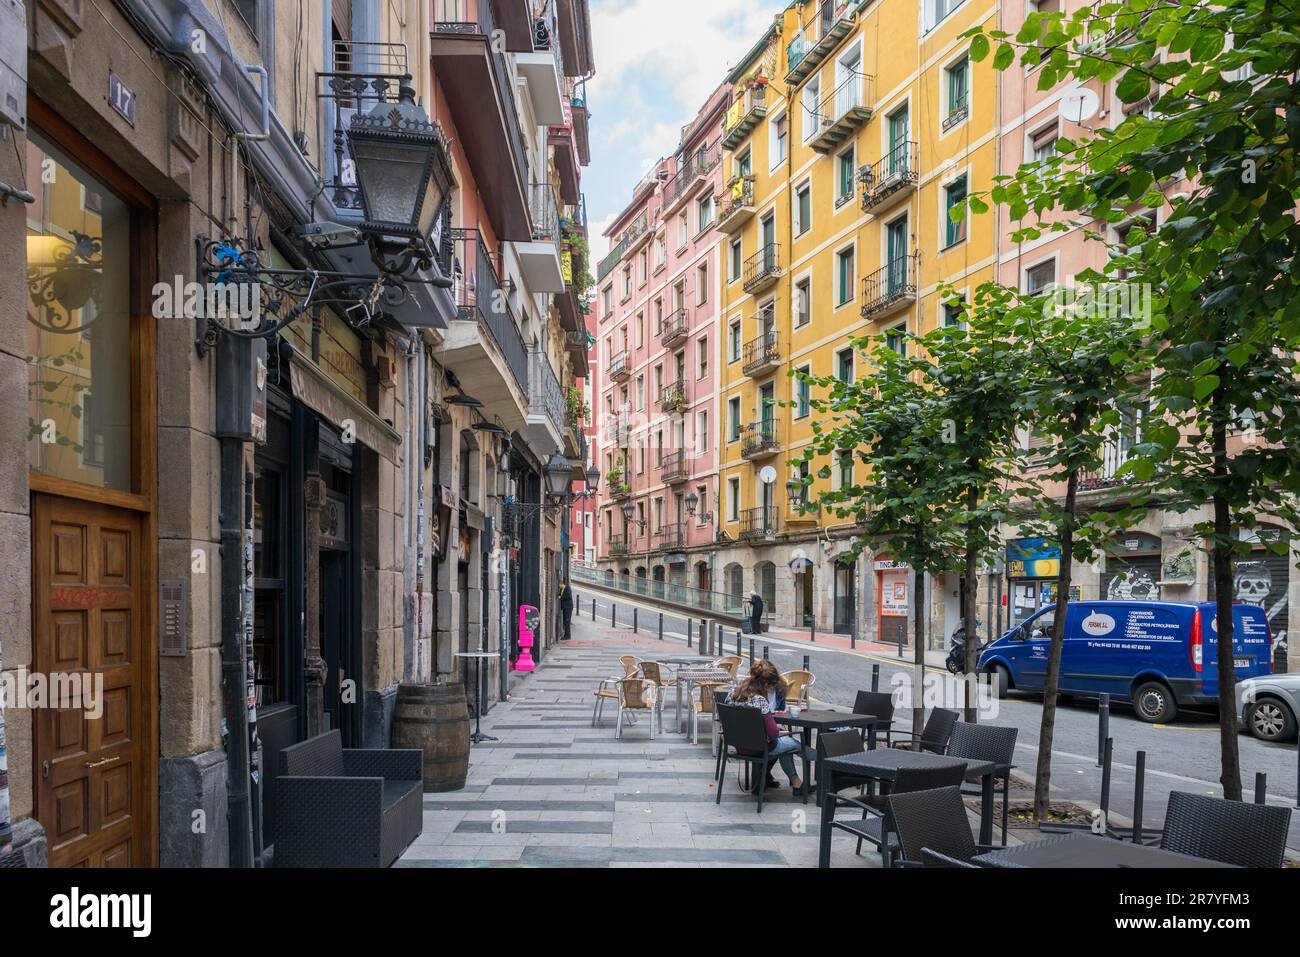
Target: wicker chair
(799, 682)
(654, 671)
(934, 821)
(878, 829)
(982, 742)
(630, 664)
(744, 738)
(881, 705)
(931, 858)
(934, 736)
(342, 807)
(1231, 832)
(704, 705)
(730, 664)
(635, 695)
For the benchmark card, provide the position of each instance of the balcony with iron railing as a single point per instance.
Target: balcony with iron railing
(541, 261)
(743, 115)
(480, 299)
(545, 395)
(672, 397)
(667, 537)
(364, 74)
(763, 269)
(892, 177)
(675, 329)
(619, 367)
(468, 61)
(617, 430)
(673, 467)
(834, 23)
(758, 523)
(692, 170)
(763, 354)
(618, 545)
(891, 287)
(738, 204)
(1106, 481)
(758, 440)
(637, 229)
(841, 112)
(958, 110)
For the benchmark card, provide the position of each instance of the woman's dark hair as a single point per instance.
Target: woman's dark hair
(763, 677)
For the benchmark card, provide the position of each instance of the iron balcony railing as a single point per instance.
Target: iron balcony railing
(673, 467)
(674, 329)
(617, 544)
(672, 397)
(737, 204)
(763, 268)
(758, 523)
(475, 17)
(617, 430)
(365, 73)
(762, 353)
(958, 110)
(1113, 457)
(618, 368)
(670, 536)
(893, 174)
(758, 439)
(693, 166)
(893, 284)
(803, 55)
(743, 115)
(630, 235)
(477, 291)
(544, 209)
(545, 395)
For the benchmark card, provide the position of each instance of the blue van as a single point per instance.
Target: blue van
(1156, 654)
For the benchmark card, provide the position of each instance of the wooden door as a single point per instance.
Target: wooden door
(89, 617)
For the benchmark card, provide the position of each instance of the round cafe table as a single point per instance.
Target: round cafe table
(823, 719)
(478, 736)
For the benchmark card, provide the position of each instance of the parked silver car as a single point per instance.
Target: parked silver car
(1268, 706)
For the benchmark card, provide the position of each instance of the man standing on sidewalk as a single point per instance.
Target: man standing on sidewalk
(566, 610)
(755, 613)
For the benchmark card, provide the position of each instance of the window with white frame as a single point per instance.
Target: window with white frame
(701, 284)
(701, 357)
(846, 170)
(812, 96)
(954, 199)
(1042, 142)
(683, 229)
(704, 211)
(844, 365)
(733, 341)
(1040, 277)
(934, 12)
(733, 419)
(737, 259)
(702, 430)
(896, 338)
(802, 393)
(733, 499)
(779, 140)
(803, 301)
(956, 92)
(803, 208)
(627, 282)
(845, 276)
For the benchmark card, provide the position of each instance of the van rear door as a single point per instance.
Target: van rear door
(1252, 645)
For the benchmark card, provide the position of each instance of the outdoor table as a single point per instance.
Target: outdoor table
(1089, 850)
(821, 719)
(883, 765)
(689, 677)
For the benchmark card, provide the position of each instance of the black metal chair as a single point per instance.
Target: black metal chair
(933, 821)
(878, 829)
(744, 737)
(881, 705)
(1231, 832)
(931, 858)
(934, 736)
(983, 742)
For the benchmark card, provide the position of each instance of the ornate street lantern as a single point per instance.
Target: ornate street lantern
(559, 476)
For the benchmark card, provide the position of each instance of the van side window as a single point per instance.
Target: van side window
(1040, 629)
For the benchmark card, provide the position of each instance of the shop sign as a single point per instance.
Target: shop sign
(334, 522)
(121, 99)
(885, 564)
(1033, 558)
(893, 594)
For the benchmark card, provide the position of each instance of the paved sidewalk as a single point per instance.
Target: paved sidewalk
(556, 792)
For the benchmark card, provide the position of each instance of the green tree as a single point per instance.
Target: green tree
(1226, 322)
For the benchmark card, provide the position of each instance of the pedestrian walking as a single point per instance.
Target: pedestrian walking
(755, 613)
(566, 610)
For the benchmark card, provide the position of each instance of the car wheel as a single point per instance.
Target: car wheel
(1271, 720)
(1001, 680)
(1154, 703)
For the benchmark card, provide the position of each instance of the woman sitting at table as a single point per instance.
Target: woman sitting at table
(765, 690)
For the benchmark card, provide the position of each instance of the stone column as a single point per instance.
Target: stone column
(313, 493)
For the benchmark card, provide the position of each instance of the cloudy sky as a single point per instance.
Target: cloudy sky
(656, 63)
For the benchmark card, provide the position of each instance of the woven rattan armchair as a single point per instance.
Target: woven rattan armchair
(879, 829)
(799, 684)
(343, 807)
(983, 742)
(934, 736)
(1231, 832)
(934, 821)
(730, 664)
(637, 694)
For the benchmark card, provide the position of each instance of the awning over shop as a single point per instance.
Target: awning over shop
(327, 399)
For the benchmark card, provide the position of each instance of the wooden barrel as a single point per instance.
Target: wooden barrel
(435, 719)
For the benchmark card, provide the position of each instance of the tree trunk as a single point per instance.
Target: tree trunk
(1052, 681)
(969, 606)
(918, 657)
(1221, 557)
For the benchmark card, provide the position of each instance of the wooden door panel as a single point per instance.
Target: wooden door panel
(88, 615)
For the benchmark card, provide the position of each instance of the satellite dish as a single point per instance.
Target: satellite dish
(1079, 104)
(768, 475)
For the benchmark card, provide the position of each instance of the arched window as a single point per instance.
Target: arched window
(765, 583)
(735, 578)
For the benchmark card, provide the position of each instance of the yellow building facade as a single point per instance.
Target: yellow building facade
(854, 128)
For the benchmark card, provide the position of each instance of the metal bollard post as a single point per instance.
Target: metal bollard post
(690, 625)
(751, 652)
(1139, 793)
(853, 632)
(661, 626)
(1261, 787)
(767, 653)
(875, 677)
(593, 609)
(1105, 782)
(634, 627)
(900, 643)
(613, 615)
(805, 663)
(739, 653)
(812, 631)
(1103, 726)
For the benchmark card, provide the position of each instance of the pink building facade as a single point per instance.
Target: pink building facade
(654, 395)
